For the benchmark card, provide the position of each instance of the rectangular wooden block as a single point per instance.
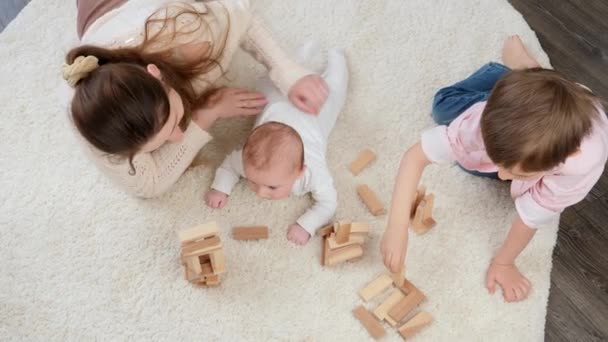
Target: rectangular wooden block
(198, 232)
(194, 265)
(398, 277)
(417, 225)
(415, 324)
(324, 252)
(371, 324)
(406, 305)
(370, 199)
(206, 268)
(250, 233)
(218, 262)
(427, 213)
(407, 287)
(202, 246)
(342, 233)
(336, 256)
(364, 158)
(381, 312)
(326, 230)
(354, 240)
(359, 228)
(375, 287)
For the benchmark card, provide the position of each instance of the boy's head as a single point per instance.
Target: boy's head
(535, 119)
(273, 159)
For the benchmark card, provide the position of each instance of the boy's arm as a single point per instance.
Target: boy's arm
(229, 173)
(518, 238)
(394, 241)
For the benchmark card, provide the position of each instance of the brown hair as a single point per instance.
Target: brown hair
(273, 142)
(536, 118)
(119, 106)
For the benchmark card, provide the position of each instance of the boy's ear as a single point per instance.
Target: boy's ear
(154, 71)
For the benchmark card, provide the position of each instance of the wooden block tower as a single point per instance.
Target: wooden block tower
(342, 241)
(202, 255)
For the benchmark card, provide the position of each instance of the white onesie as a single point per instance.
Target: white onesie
(314, 131)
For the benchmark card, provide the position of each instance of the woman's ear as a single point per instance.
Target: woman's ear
(154, 71)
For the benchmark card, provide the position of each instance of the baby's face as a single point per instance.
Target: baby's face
(274, 183)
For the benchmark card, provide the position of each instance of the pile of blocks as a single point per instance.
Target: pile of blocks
(422, 212)
(399, 304)
(202, 255)
(342, 241)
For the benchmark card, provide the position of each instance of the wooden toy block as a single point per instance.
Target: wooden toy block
(218, 262)
(202, 246)
(342, 233)
(427, 213)
(359, 228)
(206, 268)
(326, 230)
(324, 252)
(415, 324)
(381, 312)
(370, 199)
(340, 255)
(407, 287)
(354, 240)
(250, 233)
(194, 265)
(375, 287)
(420, 193)
(406, 305)
(212, 280)
(371, 324)
(423, 220)
(364, 158)
(198, 232)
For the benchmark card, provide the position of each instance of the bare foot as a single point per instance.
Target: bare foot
(515, 55)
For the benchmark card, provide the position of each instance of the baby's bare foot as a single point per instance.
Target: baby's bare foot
(516, 56)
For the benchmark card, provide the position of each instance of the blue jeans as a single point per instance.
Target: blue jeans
(450, 102)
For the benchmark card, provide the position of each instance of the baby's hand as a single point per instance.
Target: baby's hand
(298, 235)
(515, 287)
(393, 248)
(216, 199)
(309, 93)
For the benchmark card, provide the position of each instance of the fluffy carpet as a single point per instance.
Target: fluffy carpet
(80, 260)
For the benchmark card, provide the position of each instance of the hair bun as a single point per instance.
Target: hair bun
(79, 69)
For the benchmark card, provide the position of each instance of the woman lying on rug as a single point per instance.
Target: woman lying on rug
(144, 98)
(516, 122)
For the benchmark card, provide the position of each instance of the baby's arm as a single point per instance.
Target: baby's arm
(394, 240)
(502, 270)
(321, 212)
(226, 177)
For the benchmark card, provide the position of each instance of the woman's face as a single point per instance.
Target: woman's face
(170, 132)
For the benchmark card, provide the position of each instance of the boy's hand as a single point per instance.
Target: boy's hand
(309, 93)
(216, 199)
(515, 287)
(393, 247)
(297, 234)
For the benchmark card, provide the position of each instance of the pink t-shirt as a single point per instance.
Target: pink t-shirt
(538, 201)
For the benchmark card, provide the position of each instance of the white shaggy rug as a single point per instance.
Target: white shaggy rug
(81, 261)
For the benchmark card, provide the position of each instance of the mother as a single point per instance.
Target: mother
(144, 99)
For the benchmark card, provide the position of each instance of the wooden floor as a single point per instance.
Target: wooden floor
(574, 33)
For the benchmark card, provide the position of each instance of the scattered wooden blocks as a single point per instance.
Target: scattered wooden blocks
(422, 212)
(371, 201)
(402, 301)
(364, 158)
(250, 233)
(202, 255)
(342, 241)
(370, 323)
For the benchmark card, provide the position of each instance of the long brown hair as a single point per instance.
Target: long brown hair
(536, 118)
(119, 106)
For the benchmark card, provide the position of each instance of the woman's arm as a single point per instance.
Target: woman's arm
(394, 240)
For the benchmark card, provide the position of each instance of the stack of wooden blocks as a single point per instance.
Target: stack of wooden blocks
(202, 255)
(342, 241)
(422, 212)
(402, 300)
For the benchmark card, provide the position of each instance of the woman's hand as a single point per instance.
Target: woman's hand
(228, 103)
(309, 93)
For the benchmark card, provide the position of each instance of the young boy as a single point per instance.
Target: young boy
(285, 152)
(545, 133)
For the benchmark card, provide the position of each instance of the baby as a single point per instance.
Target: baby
(285, 152)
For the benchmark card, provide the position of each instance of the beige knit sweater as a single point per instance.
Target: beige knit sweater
(123, 26)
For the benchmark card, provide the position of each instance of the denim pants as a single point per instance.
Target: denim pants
(450, 102)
